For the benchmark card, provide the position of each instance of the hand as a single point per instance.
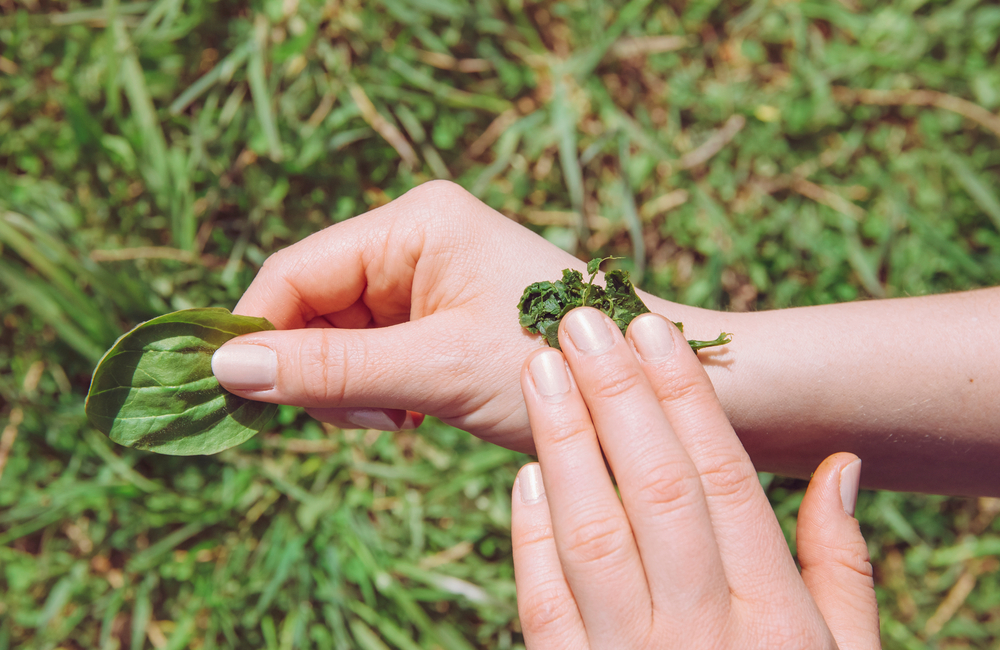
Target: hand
(691, 555)
(410, 307)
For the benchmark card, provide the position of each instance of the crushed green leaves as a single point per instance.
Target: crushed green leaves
(543, 304)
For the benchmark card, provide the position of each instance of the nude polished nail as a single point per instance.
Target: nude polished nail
(850, 480)
(530, 483)
(589, 331)
(652, 338)
(245, 367)
(549, 374)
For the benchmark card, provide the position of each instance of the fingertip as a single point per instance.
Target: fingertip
(838, 475)
(653, 338)
(850, 482)
(242, 367)
(368, 418)
(528, 486)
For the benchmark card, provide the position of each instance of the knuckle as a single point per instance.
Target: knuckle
(729, 477)
(597, 541)
(323, 368)
(614, 384)
(568, 431)
(443, 193)
(681, 387)
(668, 491)
(531, 537)
(546, 608)
(852, 556)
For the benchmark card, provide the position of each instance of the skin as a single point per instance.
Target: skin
(411, 307)
(691, 555)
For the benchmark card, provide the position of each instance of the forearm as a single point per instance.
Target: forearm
(910, 385)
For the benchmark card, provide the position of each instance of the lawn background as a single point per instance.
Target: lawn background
(741, 155)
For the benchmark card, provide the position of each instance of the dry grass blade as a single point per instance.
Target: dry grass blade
(959, 593)
(389, 131)
(663, 203)
(629, 47)
(8, 67)
(9, 435)
(830, 199)
(97, 17)
(963, 107)
(153, 253)
(448, 62)
(714, 144)
(301, 445)
(492, 133)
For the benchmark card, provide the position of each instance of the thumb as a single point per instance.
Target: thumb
(834, 556)
(335, 372)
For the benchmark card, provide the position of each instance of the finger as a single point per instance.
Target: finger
(545, 604)
(592, 533)
(410, 366)
(750, 542)
(834, 556)
(355, 317)
(332, 270)
(659, 484)
(374, 418)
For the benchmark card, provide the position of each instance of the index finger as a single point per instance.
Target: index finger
(332, 270)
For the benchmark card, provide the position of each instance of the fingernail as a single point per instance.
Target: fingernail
(652, 338)
(589, 331)
(548, 372)
(850, 479)
(530, 481)
(245, 367)
(376, 419)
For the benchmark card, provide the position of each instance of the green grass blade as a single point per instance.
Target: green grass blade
(980, 191)
(262, 97)
(630, 213)
(152, 141)
(38, 298)
(221, 73)
(564, 123)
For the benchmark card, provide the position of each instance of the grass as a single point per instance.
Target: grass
(743, 155)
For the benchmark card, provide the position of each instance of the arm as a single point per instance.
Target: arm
(910, 385)
(412, 307)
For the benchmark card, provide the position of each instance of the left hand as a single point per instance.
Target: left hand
(691, 555)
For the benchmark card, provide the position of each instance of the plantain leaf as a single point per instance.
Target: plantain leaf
(543, 304)
(154, 389)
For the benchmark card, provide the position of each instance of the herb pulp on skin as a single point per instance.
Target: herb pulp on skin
(543, 304)
(154, 389)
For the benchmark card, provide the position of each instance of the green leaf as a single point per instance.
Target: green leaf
(154, 389)
(543, 304)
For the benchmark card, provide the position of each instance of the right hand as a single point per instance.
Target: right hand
(681, 549)
(410, 307)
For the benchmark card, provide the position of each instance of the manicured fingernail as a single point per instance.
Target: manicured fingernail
(530, 482)
(589, 331)
(652, 338)
(548, 372)
(850, 479)
(412, 420)
(376, 419)
(245, 367)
